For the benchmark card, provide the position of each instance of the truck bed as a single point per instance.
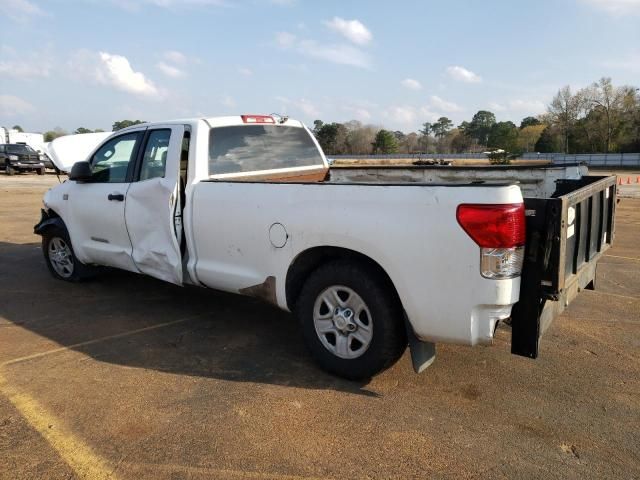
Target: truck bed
(570, 224)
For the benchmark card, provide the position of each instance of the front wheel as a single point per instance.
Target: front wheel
(8, 170)
(351, 319)
(41, 171)
(61, 261)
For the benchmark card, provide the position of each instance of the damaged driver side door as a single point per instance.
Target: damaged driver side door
(154, 207)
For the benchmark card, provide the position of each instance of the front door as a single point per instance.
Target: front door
(153, 213)
(97, 207)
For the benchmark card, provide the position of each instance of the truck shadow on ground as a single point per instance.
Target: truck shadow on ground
(188, 331)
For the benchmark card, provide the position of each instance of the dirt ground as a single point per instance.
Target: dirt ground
(126, 377)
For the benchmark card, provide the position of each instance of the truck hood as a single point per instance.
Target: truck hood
(69, 149)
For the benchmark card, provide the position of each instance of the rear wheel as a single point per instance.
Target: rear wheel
(351, 319)
(60, 258)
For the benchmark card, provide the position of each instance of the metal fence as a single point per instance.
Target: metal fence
(608, 160)
(612, 160)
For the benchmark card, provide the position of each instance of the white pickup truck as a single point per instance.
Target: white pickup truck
(368, 259)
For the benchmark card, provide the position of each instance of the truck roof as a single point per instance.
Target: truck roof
(225, 121)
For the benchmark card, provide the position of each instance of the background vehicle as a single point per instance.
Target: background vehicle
(16, 157)
(368, 259)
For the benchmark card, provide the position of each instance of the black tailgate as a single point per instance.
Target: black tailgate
(566, 236)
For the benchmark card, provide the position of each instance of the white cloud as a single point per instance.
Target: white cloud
(352, 30)
(337, 53)
(358, 113)
(301, 105)
(532, 107)
(169, 70)
(403, 115)
(175, 56)
(463, 75)
(228, 101)
(134, 5)
(616, 7)
(411, 84)
(22, 70)
(283, 3)
(285, 39)
(19, 10)
(11, 105)
(115, 71)
(443, 105)
(427, 114)
(518, 107)
(630, 63)
(247, 72)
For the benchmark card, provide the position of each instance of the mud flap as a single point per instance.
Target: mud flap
(422, 353)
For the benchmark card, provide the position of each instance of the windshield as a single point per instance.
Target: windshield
(250, 148)
(20, 149)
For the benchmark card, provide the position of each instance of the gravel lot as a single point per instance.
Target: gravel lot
(126, 377)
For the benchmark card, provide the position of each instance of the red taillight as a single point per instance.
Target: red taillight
(257, 119)
(493, 226)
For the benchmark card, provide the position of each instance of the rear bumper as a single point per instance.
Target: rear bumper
(472, 319)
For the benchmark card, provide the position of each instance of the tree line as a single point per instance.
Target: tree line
(600, 118)
(59, 132)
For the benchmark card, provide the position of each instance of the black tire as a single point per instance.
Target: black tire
(41, 171)
(389, 338)
(8, 170)
(79, 270)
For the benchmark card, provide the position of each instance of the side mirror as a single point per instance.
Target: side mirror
(80, 172)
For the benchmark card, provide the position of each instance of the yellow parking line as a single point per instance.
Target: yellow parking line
(625, 258)
(226, 473)
(80, 457)
(629, 297)
(97, 340)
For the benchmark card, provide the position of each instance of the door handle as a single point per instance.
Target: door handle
(118, 197)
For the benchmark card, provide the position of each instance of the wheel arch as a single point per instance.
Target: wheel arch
(49, 220)
(309, 260)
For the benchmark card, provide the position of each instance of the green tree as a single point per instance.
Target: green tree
(385, 143)
(529, 122)
(426, 128)
(83, 130)
(529, 136)
(480, 126)
(317, 125)
(125, 123)
(564, 111)
(332, 137)
(503, 135)
(53, 134)
(606, 104)
(441, 127)
(460, 142)
(549, 141)
(18, 128)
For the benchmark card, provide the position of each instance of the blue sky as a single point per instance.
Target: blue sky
(397, 64)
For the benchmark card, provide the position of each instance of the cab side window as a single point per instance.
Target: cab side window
(111, 162)
(154, 160)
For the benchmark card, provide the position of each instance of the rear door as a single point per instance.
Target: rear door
(154, 206)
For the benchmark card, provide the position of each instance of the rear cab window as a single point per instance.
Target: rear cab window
(243, 150)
